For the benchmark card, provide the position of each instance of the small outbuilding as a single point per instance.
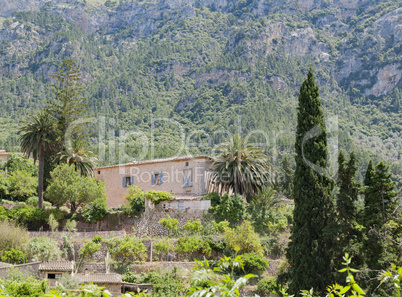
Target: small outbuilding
(185, 203)
(111, 281)
(54, 270)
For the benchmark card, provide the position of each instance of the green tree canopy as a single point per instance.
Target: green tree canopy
(69, 187)
(18, 162)
(22, 185)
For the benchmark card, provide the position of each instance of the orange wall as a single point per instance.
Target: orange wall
(173, 180)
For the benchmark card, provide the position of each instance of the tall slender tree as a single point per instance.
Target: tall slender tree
(310, 251)
(37, 139)
(68, 105)
(349, 190)
(379, 207)
(349, 235)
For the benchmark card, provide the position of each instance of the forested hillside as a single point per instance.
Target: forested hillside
(210, 65)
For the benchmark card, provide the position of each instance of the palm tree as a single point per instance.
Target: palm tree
(239, 167)
(262, 208)
(77, 154)
(37, 139)
(265, 199)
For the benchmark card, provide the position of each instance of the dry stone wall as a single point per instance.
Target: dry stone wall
(148, 224)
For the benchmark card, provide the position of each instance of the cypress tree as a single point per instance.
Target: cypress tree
(287, 180)
(379, 205)
(349, 236)
(349, 189)
(311, 248)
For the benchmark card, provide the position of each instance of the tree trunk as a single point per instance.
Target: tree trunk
(40, 175)
(73, 207)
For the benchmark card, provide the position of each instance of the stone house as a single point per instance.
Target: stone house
(111, 281)
(185, 177)
(54, 270)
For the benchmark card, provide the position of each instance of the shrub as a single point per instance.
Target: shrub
(34, 201)
(34, 217)
(88, 250)
(42, 248)
(68, 282)
(53, 223)
(267, 287)
(26, 287)
(67, 247)
(70, 226)
(214, 228)
(12, 236)
(127, 249)
(243, 239)
(136, 201)
(97, 239)
(169, 223)
(95, 211)
(254, 263)
(231, 208)
(163, 246)
(192, 244)
(3, 213)
(217, 244)
(14, 256)
(192, 226)
(166, 285)
(130, 277)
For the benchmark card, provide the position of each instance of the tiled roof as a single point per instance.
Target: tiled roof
(57, 266)
(99, 278)
(185, 197)
(179, 158)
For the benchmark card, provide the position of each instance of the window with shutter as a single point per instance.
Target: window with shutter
(128, 181)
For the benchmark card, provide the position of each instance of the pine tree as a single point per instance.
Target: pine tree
(68, 104)
(311, 248)
(379, 206)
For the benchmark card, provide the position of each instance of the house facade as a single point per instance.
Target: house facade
(185, 176)
(53, 271)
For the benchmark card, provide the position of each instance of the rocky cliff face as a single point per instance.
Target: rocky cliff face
(362, 51)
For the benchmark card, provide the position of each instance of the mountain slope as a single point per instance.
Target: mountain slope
(210, 65)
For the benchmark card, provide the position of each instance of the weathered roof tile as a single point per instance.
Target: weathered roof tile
(57, 266)
(99, 278)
